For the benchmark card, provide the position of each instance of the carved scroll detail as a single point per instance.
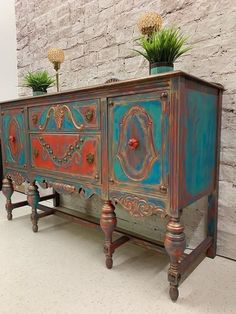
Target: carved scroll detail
(62, 188)
(16, 177)
(139, 207)
(125, 150)
(59, 187)
(14, 141)
(59, 115)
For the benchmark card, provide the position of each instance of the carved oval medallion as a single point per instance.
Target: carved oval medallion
(136, 158)
(14, 139)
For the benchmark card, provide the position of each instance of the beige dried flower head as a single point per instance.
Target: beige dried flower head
(149, 23)
(56, 55)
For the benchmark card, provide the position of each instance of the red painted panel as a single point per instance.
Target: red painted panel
(66, 153)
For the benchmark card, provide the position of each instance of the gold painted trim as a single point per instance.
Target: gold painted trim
(59, 115)
(152, 154)
(139, 207)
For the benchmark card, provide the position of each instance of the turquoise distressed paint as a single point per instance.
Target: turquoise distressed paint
(200, 141)
(166, 155)
(161, 69)
(42, 119)
(7, 119)
(22, 157)
(67, 124)
(153, 109)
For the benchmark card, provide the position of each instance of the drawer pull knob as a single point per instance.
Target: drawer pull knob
(90, 158)
(164, 95)
(34, 119)
(133, 143)
(89, 115)
(12, 139)
(96, 177)
(163, 189)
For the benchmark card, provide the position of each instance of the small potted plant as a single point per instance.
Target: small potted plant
(161, 46)
(39, 81)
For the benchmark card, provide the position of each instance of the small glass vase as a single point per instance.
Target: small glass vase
(160, 67)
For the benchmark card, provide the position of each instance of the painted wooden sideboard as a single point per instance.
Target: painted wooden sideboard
(150, 145)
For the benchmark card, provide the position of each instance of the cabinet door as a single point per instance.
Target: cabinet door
(138, 126)
(13, 132)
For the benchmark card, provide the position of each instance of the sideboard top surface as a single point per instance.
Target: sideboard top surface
(116, 86)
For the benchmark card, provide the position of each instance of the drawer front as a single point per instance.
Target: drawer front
(73, 155)
(139, 141)
(76, 115)
(13, 133)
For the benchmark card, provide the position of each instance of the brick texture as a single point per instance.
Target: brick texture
(98, 38)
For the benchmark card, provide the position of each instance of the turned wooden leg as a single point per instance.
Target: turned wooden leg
(7, 190)
(56, 200)
(108, 223)
(175, 245)
(33, 200)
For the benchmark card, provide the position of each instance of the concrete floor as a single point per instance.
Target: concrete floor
(60, 270)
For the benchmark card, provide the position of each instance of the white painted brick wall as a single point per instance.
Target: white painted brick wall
(98, 37)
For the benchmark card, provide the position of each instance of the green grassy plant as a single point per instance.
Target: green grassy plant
(39, 80)
(165, 45)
